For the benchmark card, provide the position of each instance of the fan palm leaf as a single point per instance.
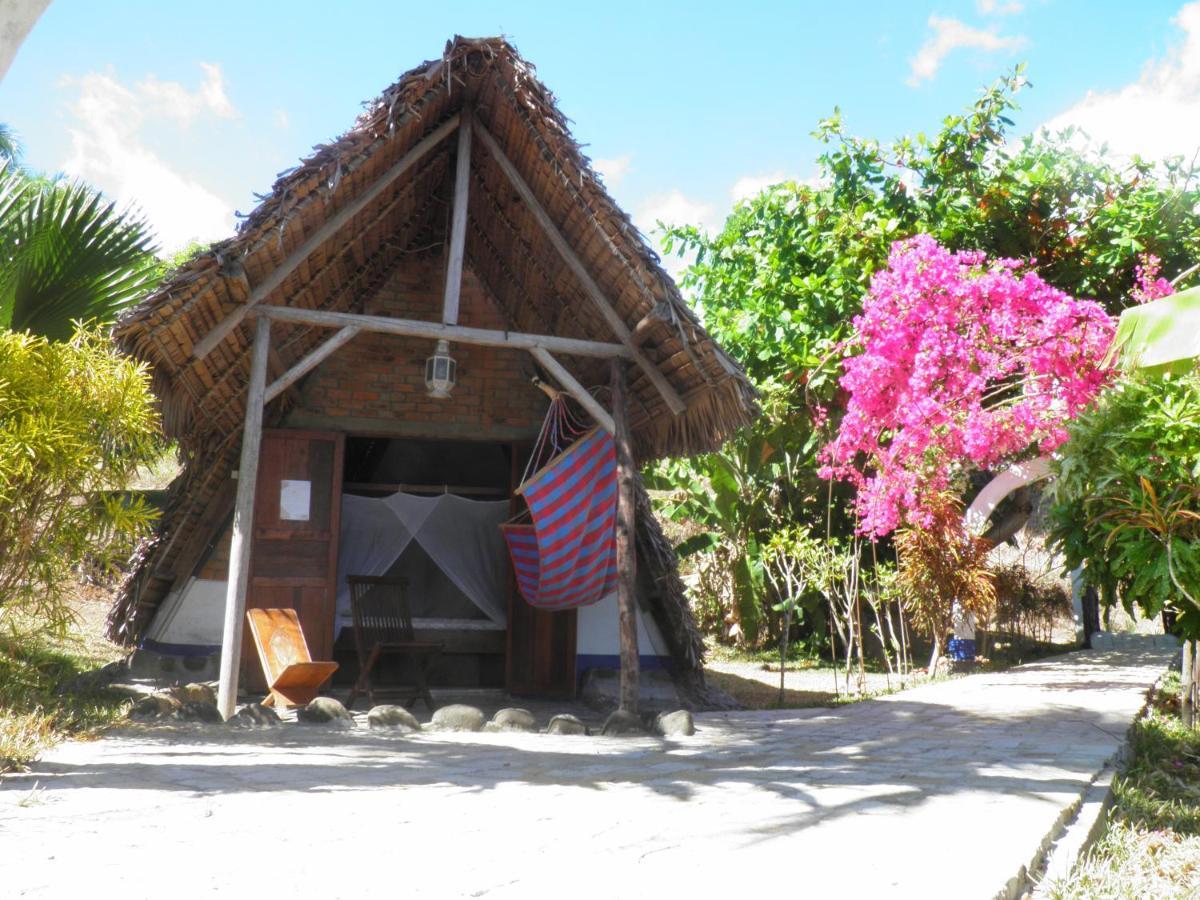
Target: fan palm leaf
(67, 254)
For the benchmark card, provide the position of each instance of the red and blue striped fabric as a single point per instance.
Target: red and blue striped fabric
(568, 556)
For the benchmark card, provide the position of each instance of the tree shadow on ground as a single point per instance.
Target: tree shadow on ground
(904, 750)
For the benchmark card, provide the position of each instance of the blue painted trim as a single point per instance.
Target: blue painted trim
(585, 661)
(179, 649)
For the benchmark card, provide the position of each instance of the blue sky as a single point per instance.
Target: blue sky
(186, 109)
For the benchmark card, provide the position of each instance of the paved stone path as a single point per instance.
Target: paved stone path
(942, 791)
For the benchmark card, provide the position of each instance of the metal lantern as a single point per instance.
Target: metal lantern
(440, 370)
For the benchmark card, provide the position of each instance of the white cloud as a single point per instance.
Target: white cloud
(948, 35)
(613, 170)
(282, 120)
(109, 149)
(1159, 114)
(1000, 8)
(172, 100)
(752, 185)
(673, 207)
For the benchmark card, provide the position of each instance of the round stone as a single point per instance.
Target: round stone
(392, 718)
(458, 717)
(565, 723)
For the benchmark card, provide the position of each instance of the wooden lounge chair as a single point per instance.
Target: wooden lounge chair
(291, 673)
(383, 627)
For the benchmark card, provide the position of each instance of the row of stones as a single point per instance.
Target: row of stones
(197, 703)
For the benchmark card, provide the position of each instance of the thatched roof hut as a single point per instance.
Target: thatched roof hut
(364, 226)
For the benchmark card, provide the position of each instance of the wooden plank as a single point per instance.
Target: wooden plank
(574, 388)
(205, 345)
(438, 331)
(575, 264)
(458, 221)
(243, 518)
(626, 548)
(313, 359)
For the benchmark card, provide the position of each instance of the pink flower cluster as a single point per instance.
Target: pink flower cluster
(963, 362)
(1147, 283)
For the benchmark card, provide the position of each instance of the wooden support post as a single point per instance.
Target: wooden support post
(574, 388)
(313, 359)
(205, 345)
(575, 264)
(243, 523)
(458, 221)
(626, 546)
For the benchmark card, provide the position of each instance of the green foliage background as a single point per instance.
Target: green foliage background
(1127, 483)
(780, 284)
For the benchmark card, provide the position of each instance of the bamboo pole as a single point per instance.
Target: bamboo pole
(626, 548)
(575, 264)
(574, 388)
(309, 362)
(243, 523)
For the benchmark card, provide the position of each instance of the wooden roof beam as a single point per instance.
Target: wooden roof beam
(575, 264)
(485, 337)
(458, 221)
(206, 344)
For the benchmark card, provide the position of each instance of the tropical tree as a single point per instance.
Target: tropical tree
(67, 255)
(781, 283)
(957, 363)
(76, 421)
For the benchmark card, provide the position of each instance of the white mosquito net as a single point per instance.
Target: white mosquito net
(460, 536)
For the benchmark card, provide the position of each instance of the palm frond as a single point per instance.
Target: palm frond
(67, 255)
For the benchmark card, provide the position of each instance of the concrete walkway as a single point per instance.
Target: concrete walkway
(946, 790)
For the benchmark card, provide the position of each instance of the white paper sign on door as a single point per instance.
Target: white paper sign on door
(295, 500)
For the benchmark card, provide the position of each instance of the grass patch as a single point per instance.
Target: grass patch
(1152, 847)
(36, 709)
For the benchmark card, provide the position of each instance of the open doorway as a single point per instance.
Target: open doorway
(428, 511)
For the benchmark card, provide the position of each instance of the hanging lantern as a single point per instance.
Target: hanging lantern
(440, 370)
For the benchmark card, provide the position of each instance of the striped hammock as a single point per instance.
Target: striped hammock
(566, 557)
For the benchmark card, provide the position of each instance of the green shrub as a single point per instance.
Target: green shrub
(76, 421)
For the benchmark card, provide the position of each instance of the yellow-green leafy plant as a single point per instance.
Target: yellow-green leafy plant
(76, 421)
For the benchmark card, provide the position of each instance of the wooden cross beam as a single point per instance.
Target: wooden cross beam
(206, 344)
(437, 331)
(575, 264)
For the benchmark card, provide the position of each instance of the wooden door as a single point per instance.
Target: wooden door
(293, 557)
(540, 651)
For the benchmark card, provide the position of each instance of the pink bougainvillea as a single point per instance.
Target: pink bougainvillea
(963, 362)
(1148, 285)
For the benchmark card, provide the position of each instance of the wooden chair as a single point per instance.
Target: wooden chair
(291, 673)
(383, 627)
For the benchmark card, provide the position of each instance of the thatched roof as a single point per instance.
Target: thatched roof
(203, 400)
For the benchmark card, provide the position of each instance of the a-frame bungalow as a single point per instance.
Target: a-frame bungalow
(386, 323)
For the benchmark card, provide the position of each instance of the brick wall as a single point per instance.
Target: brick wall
(376, 383)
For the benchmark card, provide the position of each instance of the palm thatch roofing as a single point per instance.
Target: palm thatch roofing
(203, 400)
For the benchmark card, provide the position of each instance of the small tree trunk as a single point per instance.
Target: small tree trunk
(783, 647)
(1188, 679)
(936, 655)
